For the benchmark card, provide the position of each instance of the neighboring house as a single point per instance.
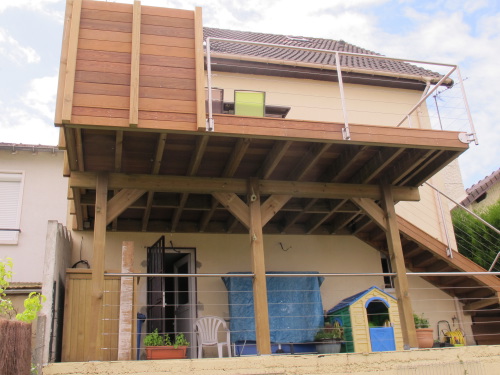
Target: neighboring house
(288, 185)
(33, 213)
(483, 193)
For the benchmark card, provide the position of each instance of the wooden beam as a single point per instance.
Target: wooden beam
(78, 209)
(79, 149)
(232, 164)
(376, 165)
(118, 165)
(121, 201)
(405, 167)
(62, 65)
(471, 308)
(118, 151)
(372, 210)
(344, 163)
(398, 265)
(69, 79)
(199, 55)
(194, 165)
(71, 148)
(98, 260)
(135, 64)
(204, 185)
(155, 169)
(272, 206)
(237, 155)
(273, 158)
(261, 311)
(235, 205)
(310, 158)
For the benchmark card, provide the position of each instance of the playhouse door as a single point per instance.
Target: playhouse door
(382, 339)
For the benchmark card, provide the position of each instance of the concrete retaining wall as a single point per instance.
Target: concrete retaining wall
(473, 360)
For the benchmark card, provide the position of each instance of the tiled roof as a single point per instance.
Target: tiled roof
(320, 58)
(27, 147)
(478, 189)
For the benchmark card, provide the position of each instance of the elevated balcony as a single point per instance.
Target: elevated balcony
(149, 145)
(132, 100)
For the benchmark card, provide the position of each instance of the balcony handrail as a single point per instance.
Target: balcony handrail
(424, 274)
(465, 208)
(345, 131)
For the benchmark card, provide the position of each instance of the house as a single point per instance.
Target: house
(32, 231)
(483, 193)
(168, 177)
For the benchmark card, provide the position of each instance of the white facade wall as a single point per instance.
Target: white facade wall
(231, 253)
(43, 199)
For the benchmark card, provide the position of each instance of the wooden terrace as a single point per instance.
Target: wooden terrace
(131, 108)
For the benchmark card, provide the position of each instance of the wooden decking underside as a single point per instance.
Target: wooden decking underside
(214, 155)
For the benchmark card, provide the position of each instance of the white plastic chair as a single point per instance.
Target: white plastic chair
(207, 330)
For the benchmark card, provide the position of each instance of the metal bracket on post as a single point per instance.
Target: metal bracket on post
(471, 137)
(210, 124)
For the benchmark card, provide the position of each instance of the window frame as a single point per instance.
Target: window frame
(14, 240)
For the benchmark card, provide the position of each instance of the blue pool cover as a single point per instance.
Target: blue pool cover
(295, 307)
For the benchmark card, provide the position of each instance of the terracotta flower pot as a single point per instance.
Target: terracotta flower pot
(425, 337)
(165, 352)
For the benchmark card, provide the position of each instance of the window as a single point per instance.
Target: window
(11, 192)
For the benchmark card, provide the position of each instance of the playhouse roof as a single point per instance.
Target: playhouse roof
(352, 299)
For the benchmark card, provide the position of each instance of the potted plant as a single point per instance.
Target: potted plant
(161, 347)
(425, 335)
(329, 338)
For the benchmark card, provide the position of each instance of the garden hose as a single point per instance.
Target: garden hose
(456, 337)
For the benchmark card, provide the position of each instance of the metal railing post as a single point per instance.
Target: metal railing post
(466, 209)
(466, 103)
(345, 131)
(449, 252)
(210, 120)
(424, 98)
(494, 262)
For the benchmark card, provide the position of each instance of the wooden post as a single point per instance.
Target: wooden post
(70, 71)
(135, 64)
(95, 320)
(259, 269)
(126, 303)
(200, 69)
(398, 265)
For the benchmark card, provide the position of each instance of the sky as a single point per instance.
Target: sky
(462, 32)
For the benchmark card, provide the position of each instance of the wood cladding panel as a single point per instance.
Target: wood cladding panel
(167, 41)
(167, 31)
(123, 27)
(167, 79)
(113, 90)
(109, 36)
(167, 12)
(102, 77)
(104, 15)
(153, 20)
(76, 311)
(104, 45)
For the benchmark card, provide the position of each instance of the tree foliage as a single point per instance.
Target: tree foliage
(475, 240)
